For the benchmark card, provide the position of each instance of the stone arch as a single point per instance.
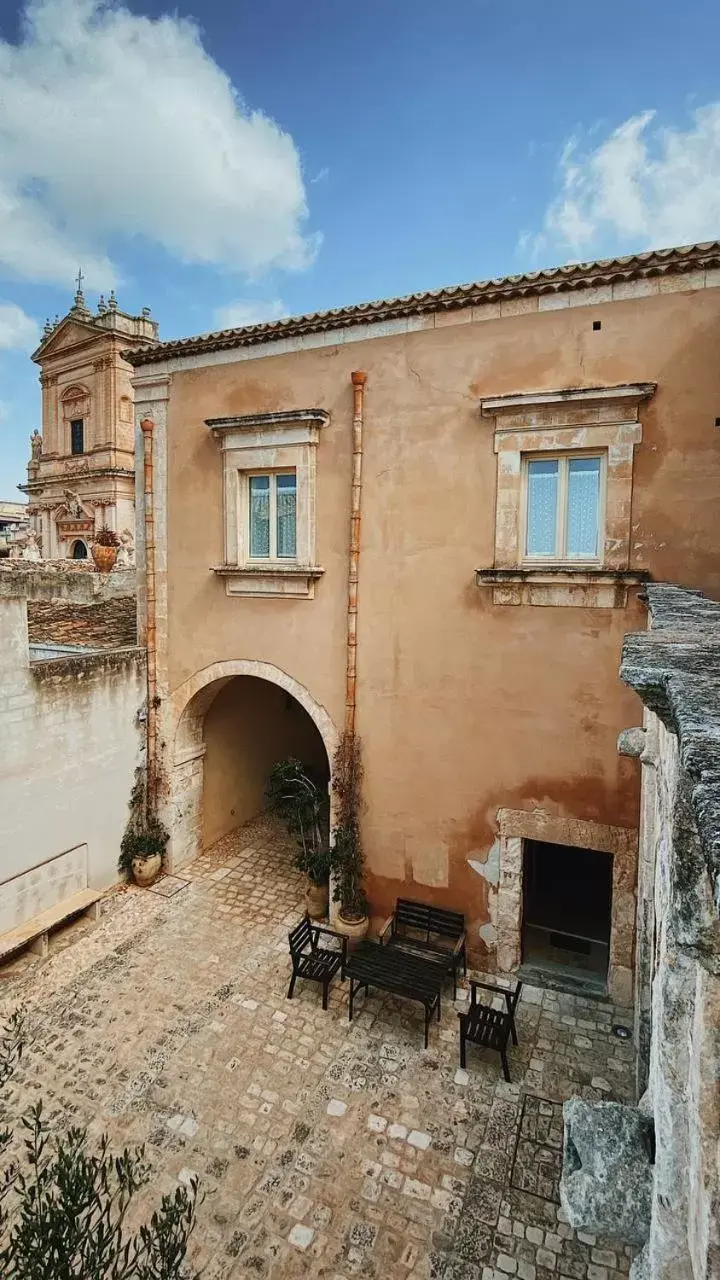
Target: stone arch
(78, 550)
(187, 709)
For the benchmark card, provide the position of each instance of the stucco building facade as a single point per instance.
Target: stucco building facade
(81, 470)
(534, 449)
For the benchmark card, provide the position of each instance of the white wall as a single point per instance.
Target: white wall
(69, 746)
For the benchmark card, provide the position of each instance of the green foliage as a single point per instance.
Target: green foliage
(144, 834)
(348, 862)
(297, 800)
(67, 1206)
(106, 538)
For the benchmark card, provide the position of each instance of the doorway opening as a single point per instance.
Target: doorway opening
(79, 550)
(567, 901)
(230, 733)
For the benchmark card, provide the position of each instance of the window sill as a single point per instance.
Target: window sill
(296, 581)
(561, 585)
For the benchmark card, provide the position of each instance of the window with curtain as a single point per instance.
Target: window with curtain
(563, 507)
(273, 516)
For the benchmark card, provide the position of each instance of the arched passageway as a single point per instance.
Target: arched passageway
(79, 550)
(231, 727)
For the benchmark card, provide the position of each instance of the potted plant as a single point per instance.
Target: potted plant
(143, 844)
(348, 863)
(104, 549)
(299, 802)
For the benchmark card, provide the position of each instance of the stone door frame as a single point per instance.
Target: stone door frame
(516, 825)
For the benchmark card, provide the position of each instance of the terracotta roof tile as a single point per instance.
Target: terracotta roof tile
(109, 624)
(577, 275)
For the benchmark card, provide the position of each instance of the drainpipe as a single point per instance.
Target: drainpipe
(147, 427)
(358, 382)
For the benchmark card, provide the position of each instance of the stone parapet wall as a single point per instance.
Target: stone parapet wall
(675, 668)
(75, 581)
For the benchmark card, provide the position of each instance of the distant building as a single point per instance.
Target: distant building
(13, 525)
(81, 470)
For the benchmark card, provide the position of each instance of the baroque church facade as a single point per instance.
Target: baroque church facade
(81, 470)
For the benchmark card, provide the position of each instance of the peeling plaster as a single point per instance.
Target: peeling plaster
(490, 868)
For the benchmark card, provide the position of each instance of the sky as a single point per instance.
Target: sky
(234, 161)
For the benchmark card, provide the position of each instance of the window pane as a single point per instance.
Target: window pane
(542, 488)
(76, 435)
(260, 516)
(286, 508)
(583, 506)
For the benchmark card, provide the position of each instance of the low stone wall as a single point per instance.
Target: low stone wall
(70, 741)
(77, 581)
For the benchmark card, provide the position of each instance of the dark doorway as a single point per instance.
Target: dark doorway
(567, 898)
(79, 550)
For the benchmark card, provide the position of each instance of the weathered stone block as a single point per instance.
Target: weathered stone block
(606, 1184)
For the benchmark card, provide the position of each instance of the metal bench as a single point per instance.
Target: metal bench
(313, 962)
(430, 932)
(487, 1027)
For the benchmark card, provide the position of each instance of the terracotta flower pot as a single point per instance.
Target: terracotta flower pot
(316, 900)
(354, 930)
(146, 870)
(104, 557)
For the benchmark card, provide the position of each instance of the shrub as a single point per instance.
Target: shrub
(298, 801)
(106, 538)
(144, 834)
(347, 857)
(67, 1206)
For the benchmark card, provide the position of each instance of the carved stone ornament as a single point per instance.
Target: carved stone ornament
(126, 551)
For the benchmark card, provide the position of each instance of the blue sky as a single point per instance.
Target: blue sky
(401, 145)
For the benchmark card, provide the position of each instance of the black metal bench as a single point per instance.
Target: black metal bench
(432, 932)
(313, 962)
(413, 977)
(487, 1027)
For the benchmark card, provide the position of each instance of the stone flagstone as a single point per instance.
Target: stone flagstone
(324, 1149)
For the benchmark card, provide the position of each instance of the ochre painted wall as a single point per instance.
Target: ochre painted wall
(463, 706)
(250, 725)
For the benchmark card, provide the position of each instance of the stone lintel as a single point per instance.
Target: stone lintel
(628, 393)
(259, 421)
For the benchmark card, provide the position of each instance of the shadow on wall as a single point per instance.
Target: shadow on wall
(249, 726)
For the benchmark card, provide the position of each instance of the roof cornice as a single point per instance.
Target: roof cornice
(578, 275)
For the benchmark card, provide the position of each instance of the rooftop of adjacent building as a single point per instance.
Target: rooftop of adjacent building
(107, 624)
(12, 510)
(574, 276)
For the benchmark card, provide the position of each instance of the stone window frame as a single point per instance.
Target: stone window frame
(581, 421)
(516, 825)
(75, 406)
(264, 443)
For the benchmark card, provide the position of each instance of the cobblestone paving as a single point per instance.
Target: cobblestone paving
(324, 1149)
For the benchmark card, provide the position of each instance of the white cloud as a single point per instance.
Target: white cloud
(641, 188)
(248, 311)
(116, 125)
(18, 331)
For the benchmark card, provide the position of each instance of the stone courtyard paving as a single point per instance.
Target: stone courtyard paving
(324, 1149)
